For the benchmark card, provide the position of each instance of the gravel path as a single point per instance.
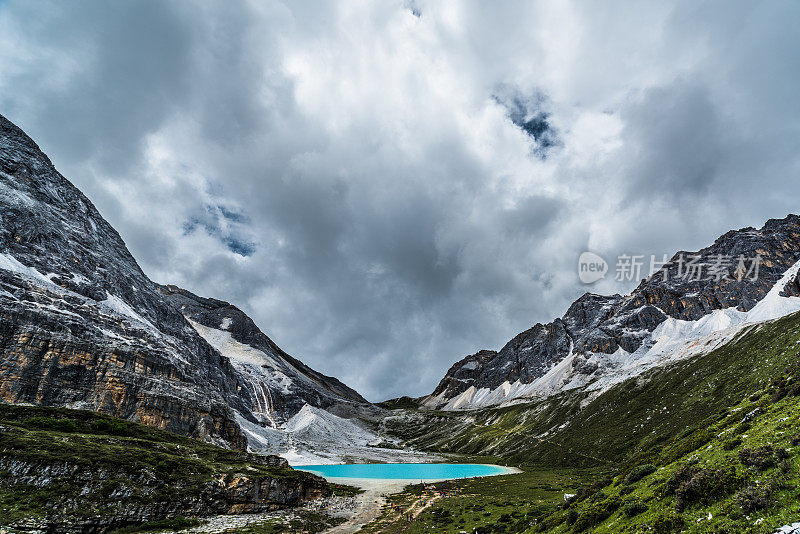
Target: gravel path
(366, 506)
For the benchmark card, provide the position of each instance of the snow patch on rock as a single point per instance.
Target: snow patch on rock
(123, 308)
(672, 340)
(10, 263)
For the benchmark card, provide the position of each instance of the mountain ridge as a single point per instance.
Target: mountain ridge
(605, 325)
(84, 327)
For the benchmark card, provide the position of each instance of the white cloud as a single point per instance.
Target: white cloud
(400, 219)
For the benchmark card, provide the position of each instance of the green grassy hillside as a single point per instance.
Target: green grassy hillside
(705, 445)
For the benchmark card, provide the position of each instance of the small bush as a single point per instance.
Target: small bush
(588, 491)
(778, 394)
(666, 524)
(176, 523)
(680, 476)
(572, 516)
(795, 440)
(639, 473)
(633, 507)
(624, 490)
(754, 498)
(730, 444)
(785, 466)
(53, 423)
(761, 457)
(596, 513)
(551, 522)
(685, 446)
(106, 426)
(705, 486)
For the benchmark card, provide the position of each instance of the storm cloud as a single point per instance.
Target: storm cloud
(387, 187)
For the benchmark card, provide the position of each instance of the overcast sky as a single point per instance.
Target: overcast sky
(386, 187)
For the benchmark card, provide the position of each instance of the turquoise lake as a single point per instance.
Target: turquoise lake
(403, 471)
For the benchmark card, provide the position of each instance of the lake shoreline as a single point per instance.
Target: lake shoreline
(408, 472)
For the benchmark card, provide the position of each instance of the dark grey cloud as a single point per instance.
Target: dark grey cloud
(388, 187)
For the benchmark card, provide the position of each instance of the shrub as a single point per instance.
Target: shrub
(53, 423)
(633, 507)
(705, 486)
(551, 522)
(785, 467)
(624, 490)
(639, 473)
(588, 491)
(687, 445)
(680, 476)
(596, 513)
(572, 516)
(599, 496)
(795, 440)
(176, 523)
(760, 457)
(665, 524)
(753, 498)
(106, 426)
(778, 394)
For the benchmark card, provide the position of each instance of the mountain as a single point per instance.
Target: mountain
(83, 327)
(601, 340)
(279, 384)
(703, 444)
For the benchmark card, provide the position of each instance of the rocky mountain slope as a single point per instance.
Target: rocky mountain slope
(694, 294)
(82, 326)
(264, 367)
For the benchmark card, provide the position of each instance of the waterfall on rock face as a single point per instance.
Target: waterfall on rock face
(262, 397)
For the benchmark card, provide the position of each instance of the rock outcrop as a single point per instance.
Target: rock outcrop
(279, 384)
(78, 471)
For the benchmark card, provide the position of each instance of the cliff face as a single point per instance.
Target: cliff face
(82, 326)
(279, 384)
(603, 325)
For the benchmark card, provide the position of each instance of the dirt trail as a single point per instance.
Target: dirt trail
(368, 504)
